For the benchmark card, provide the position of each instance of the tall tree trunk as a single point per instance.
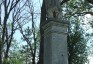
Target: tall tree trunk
(0, 14)
(6, 55)
(0, 39)
(43, 19)
(8, 41)
(33, 30)
(7, 50)
(0, 52)
(33, 60)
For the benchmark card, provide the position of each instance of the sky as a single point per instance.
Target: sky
(37, 6)
(91, 60)
(88, 29)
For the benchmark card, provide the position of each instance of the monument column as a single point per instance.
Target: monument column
(55, 34)
(55, 42)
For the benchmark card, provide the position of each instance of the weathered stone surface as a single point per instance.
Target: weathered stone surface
(53, 6)
(52, 3)
(55, 43)
(55, 34)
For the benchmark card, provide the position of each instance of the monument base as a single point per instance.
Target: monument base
(55, 43)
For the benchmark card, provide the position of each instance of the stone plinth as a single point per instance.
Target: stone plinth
(55, 43)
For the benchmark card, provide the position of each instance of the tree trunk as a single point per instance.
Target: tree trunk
(0, 39)
(33, 27)
(8, 41)
(33, 60)
(6, 55)
(0, 52)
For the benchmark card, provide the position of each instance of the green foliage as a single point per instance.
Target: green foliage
(15, 57)
(32, 42)
(77, 45)
(6, 61)
(73, 11)
(15, 61)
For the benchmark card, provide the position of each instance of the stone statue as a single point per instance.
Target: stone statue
(53, 8)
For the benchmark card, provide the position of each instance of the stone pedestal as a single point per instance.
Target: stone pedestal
(55, 43)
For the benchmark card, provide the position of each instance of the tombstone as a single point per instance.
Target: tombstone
(55, 36)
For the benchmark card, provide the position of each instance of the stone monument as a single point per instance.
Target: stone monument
(55, 35)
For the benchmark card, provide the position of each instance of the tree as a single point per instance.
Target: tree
(7, 36)
(65, 1)
(0, 36)
(30, 34)
(15, 55)
(77, 46)
(31, 49)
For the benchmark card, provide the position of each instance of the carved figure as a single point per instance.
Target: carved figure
(53, 8)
